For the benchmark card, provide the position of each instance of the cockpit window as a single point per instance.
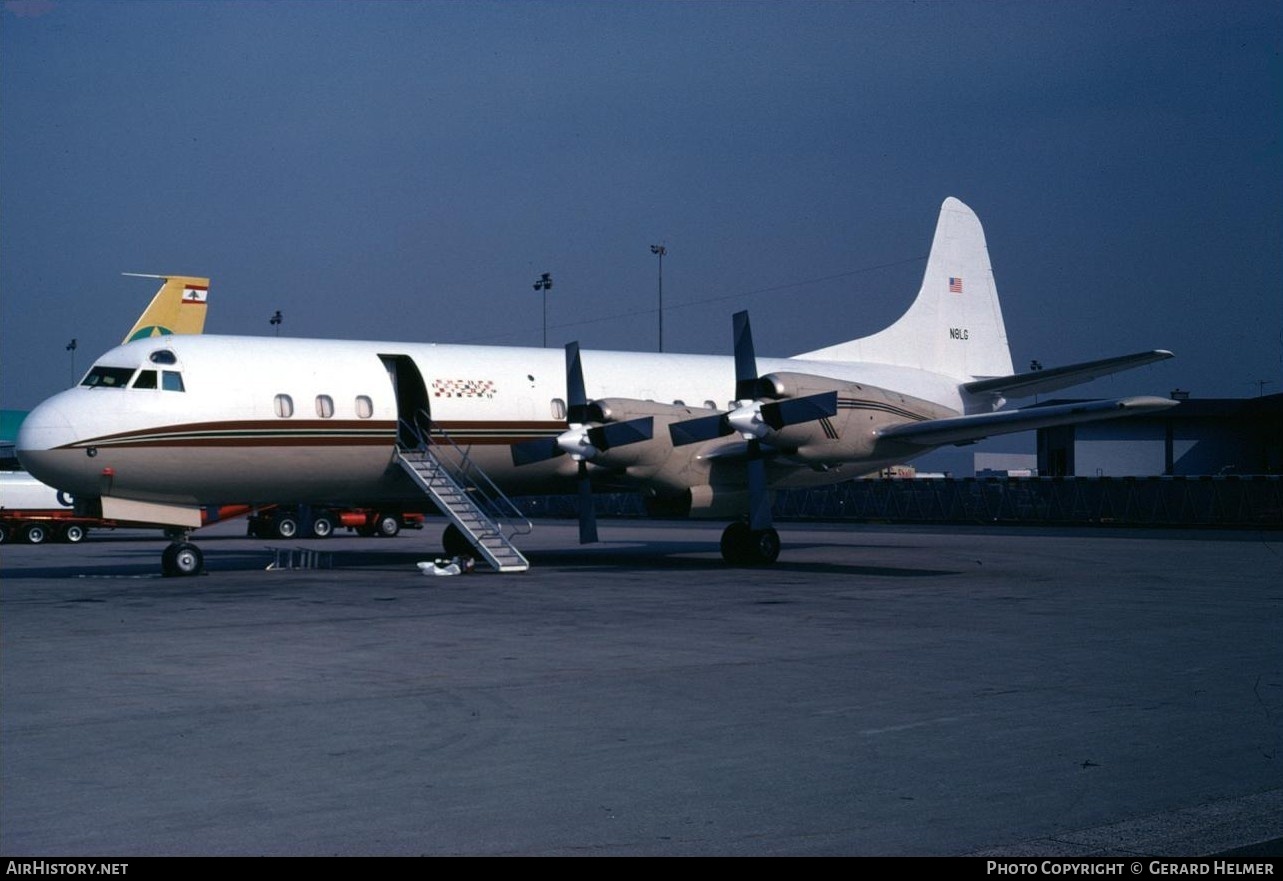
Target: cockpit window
(100, 376)
(146, 379)
(171, 381)
(163, 356)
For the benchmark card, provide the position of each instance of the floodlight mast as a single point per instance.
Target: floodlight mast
(543, 283)
(660, 251)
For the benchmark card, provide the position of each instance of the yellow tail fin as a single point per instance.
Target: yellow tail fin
(178, 307)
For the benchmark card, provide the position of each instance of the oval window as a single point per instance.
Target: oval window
(284, 406)
(324, 406)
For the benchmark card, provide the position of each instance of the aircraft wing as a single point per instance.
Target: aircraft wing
(965, 429)
(1038, 382)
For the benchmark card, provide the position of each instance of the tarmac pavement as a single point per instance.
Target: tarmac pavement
(880, 691)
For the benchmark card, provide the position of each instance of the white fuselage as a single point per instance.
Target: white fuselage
(266, 420)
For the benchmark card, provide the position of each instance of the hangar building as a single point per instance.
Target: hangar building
(1217, 437)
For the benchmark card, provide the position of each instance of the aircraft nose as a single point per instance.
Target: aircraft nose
(45, 428)
(43, 446)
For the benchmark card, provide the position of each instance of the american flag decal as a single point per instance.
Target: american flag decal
(955, 285)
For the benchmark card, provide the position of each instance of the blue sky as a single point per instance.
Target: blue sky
(406, 171)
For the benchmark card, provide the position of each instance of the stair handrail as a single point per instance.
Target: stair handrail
(501, 508)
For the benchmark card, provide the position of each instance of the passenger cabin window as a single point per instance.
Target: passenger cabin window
(146, 379)
(324, 406)
(558, 409)
(107, 377)
(364, 407)
(284, 406)
(163, 356)
(171, 381)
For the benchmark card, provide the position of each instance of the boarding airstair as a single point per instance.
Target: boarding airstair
(464, 493)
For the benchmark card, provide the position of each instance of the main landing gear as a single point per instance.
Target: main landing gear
(181, 557)
(744, 546)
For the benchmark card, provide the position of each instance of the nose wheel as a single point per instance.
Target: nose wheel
(745, 546)
(182, 558)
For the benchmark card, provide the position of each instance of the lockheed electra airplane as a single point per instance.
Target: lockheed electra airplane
(164, 425)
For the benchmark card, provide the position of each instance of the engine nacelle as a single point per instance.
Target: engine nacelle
(852, 434)
(646, 454)
(702, 502)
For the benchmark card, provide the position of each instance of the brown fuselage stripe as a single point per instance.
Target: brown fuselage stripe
(311, 433)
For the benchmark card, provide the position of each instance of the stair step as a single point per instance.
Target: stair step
(458, 502)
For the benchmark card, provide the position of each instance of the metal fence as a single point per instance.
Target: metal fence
(1127, 501)
(1123, 501)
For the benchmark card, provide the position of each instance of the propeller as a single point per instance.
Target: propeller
(586, 437)
(575, 442)
(753, 418)
(750, 423)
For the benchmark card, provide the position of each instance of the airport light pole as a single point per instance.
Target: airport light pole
(660, 251)
(543, 284)
(276, 320)
(71, 347)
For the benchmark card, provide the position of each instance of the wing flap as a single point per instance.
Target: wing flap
(1040, 382)
(964, 429)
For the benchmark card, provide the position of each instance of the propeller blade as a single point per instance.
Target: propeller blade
(620, 434)
(692, 431)
(745, 360)
(541, 449)
(587, 514)
(793, 411)
(759, 500)
(576, 397)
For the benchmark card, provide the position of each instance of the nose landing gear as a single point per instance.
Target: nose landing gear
(181, 557)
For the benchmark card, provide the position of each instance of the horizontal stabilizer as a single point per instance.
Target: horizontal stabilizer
(1040, 382)
(965, 429)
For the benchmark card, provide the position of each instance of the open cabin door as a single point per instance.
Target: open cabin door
(413, 408)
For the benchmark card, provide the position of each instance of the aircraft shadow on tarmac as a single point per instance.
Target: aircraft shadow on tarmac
(659, 556)
(664, 556)
(672, 556)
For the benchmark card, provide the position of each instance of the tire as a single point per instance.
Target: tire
(387, 526)
(764, 547)
(182, 559)
(735, 540)
(322, 527)
(73, 533)
(4, 532)
(35, 533)
(455, 543)
(285, 527)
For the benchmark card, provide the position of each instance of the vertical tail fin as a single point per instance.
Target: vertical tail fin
(178, 307)
(955, 325)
